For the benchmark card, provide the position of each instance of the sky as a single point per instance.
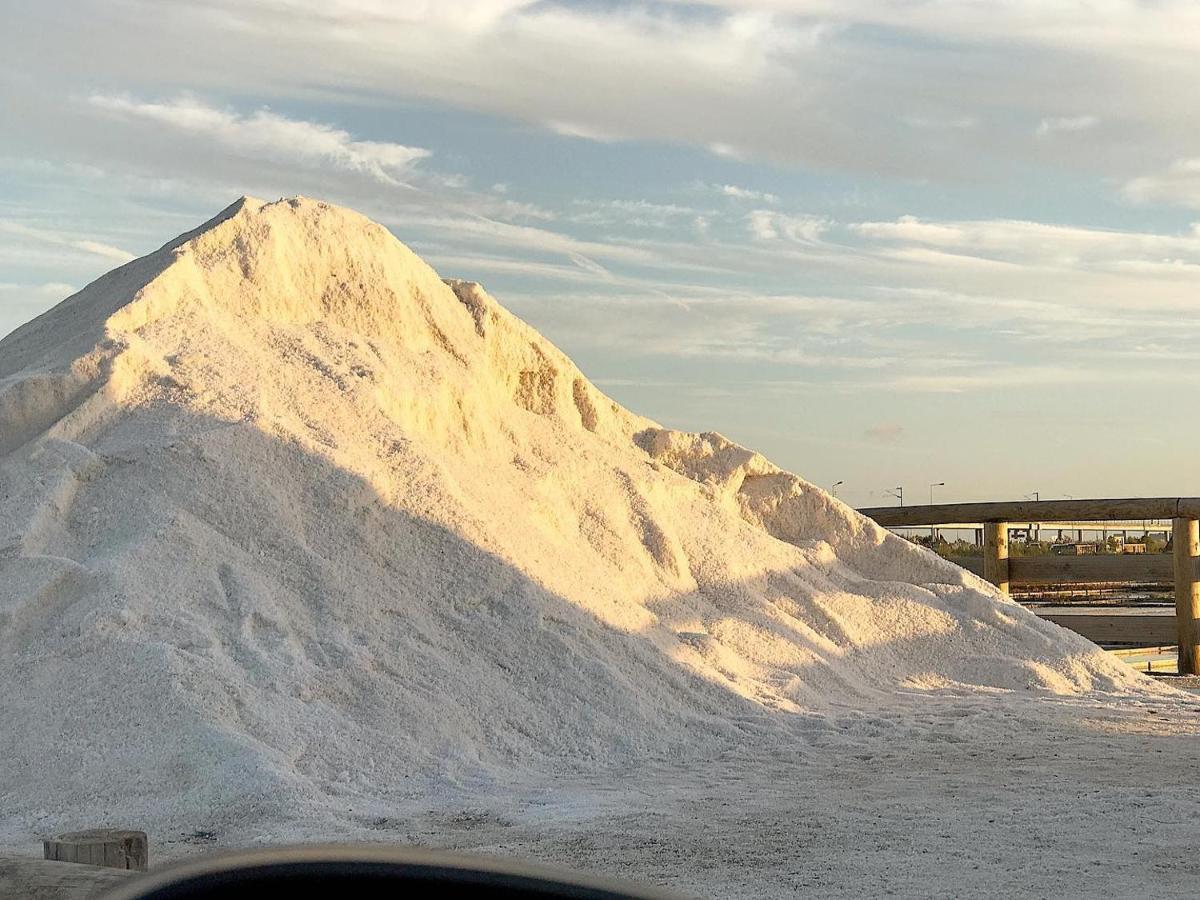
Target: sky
(888, 243)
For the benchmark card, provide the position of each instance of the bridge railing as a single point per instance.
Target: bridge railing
(1182, 567)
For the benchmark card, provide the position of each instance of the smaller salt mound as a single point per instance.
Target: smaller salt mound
(289, 526)
(794, 511)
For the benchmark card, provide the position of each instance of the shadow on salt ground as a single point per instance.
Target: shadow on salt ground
(285, 676)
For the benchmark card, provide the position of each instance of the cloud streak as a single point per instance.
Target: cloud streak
(95, 248)
(1177, 185)
(768, 225)
(267, 133)
(1067, 124)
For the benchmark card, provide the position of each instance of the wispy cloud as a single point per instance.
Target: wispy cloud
(1058, 124)
(266, 133)
(1177, 185)
(1038, 243)
(37, 292)
(96, 248)
(768, 225)
(631, 213)
(741, 193)
(581, 130)
(1015, 376)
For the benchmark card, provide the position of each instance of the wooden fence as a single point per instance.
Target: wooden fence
(1182, 567)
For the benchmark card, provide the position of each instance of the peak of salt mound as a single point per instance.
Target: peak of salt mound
(331, 523)
(257, 269)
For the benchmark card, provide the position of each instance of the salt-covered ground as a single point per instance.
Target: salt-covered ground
(935, 797)
(299, 542)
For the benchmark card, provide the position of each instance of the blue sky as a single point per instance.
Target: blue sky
(883, 242)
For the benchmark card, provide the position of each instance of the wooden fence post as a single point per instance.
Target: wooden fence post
(1185, 537)
(995, 554)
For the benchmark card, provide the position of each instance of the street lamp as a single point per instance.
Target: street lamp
(834, 487)
(933, 528)
(898, 493)
(1036, 532)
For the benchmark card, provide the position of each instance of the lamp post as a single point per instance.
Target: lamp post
(1034, 532)
(933, 528)
(898, 493)
(833, 488)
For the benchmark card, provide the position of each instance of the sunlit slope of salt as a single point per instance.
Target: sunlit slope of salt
(286, 519)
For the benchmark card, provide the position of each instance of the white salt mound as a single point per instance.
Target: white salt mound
(289, 524)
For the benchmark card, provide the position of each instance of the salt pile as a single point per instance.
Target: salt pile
(289, 525)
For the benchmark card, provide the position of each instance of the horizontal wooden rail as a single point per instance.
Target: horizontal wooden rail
(1129, 509)
(1146, 629)
(1144, 568)
(973, 564)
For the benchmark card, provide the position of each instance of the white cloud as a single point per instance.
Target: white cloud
(631, 213)
(1038, 243)
(910, 228)
(728, 151)
(1043, 376)
(1066, 124)
(768, 225)
(741, 193)
(38, 293)
(580, 130)
(1178, 185)
(96, 248)
(266, 133)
